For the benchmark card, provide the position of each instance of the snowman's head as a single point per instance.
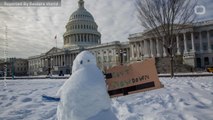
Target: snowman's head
(82, 60)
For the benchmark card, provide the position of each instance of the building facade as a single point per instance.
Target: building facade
(15, 66)
(194, 46)
(81, 34)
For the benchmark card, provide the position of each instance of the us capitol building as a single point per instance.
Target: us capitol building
(194, 47)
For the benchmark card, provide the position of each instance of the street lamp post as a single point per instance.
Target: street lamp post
(122, 53)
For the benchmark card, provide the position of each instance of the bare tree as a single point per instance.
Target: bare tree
(164, 19)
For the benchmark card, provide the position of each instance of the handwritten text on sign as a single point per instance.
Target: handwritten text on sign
(133, 74)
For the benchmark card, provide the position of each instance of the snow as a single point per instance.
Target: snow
(82, 60)
(84, 95)
(183, 98)
(22, 99)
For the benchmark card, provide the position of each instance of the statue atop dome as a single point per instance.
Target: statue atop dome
(81, 3)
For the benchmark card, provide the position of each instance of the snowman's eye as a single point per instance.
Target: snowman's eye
(81, 62)
(88, 61)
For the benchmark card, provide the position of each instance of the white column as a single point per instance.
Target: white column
(53, 60)
(209, 43)
(57, 60)
(89, 38)
(68, 59)
(86, 37)
(164, 49)
(80, 37)
(132, 51)
(201, 42)
(178, 44)
(185, 43)
(141, 49)
(77, 38)
(151, 47)
(158, 47)
(146, 50)
(138, 50)
(193, 43)
(92, 38)
(43, 62)
(154, 47)
(123, 56)
(65, 60)
(71, 40)
(61, 60)
(127, 54)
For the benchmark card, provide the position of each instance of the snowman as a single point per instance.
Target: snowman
(84, 95)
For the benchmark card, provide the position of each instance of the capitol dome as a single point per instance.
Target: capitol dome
(81, 30)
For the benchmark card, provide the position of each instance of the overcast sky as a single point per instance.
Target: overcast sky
(31, 30)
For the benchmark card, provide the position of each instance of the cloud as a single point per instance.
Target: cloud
(31, 30)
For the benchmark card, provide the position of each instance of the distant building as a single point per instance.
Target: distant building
(194, 47)
(81, 34)
(21, 67)
(15, 66)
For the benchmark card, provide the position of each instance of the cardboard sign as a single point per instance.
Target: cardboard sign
(136, 77)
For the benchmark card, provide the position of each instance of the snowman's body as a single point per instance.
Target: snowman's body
(84, 95)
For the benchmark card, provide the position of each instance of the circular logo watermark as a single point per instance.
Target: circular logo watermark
(200, 9)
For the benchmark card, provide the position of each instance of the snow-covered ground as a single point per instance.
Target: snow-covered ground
(185, 98)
